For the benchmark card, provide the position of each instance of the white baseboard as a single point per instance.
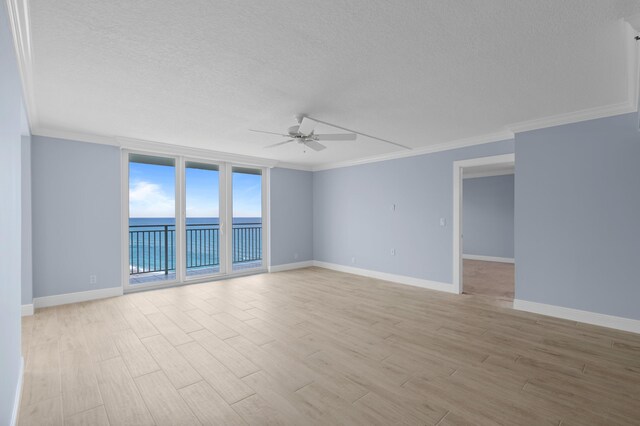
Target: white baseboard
(610, 321)
(16, 399)
(489, 258)
(400, 279)
(27, 310)
(83, 296)
(290, 266)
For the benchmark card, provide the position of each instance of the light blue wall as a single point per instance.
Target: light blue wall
(76, 209)
(353, 216)
(76, 216)
(291, 216)
(578, 216)
(27, 271)
(10, 222)
(488, 215)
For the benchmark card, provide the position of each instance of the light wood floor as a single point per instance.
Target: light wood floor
(320, 347)
(490, 279)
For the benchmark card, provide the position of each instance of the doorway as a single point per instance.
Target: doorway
(484, 260)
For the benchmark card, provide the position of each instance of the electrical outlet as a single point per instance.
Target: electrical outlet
(393, 252)
(93, 279)
(443, 221)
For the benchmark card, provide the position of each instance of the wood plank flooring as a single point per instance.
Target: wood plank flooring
(490, 279)
(314, 346)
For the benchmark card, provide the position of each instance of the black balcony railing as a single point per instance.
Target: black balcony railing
(247, 242)
(152, 247)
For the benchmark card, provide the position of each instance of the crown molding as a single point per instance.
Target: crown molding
(574, 117)
(75, 136)
(156, 147)
(509, 133)
(294, 166)
(166, 148)
(628, 106)
(446, 146)
(19, 22)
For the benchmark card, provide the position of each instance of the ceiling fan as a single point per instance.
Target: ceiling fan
(304, 134)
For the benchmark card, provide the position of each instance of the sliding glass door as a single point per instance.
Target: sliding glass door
(202, 219)
(190, 220)
(152, 219)
(247, 218)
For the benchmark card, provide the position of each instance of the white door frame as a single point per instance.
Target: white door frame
(227, 227)
(222, 200)
(124, 220)
(266, 221)
(458, 167)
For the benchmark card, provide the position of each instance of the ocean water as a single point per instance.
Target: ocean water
(152, 243)
(137, 221)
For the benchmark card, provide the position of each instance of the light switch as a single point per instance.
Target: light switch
(443, 221)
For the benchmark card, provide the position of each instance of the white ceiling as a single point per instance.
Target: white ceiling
(199, 73)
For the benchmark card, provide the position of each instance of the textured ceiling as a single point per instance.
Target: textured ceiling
(200, 73)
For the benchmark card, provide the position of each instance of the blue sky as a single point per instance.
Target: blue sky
(152, 192)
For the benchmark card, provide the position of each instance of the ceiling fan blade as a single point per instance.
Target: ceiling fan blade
(306, 126)
(278, 144)
(337, 137)
(360, 133)
(271, 133)
(316, 146)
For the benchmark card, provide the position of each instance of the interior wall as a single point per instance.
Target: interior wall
(355, 223)
(76, 209)
(488, 216)
(291, 216)
(76, 216)
(11, 110)
(577, 211)
(575, 214)
(27, 264)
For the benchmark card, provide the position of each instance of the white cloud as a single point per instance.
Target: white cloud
(148, 199)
